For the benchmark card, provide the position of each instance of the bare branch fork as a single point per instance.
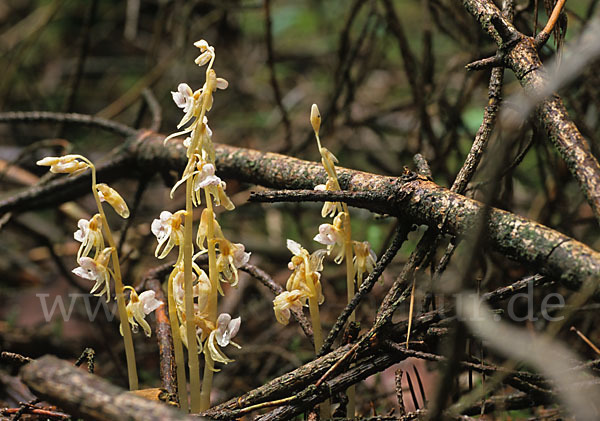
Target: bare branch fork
(519, 53)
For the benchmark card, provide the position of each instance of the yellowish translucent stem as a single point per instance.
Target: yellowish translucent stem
(127, 338)
(190, 325)
(178, 349)
(348, 256)
(213, 275)
(350, 392)
(206, 385)
(313, 307)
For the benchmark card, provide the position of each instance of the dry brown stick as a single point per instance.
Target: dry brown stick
(412, 70)
(75, 118)
(400, 235)
(89, 396)
(479, 145)
(274, 84)
(44, 413)
(154, 108)
(521, 56)
(168, 372)
(483, 134)
(280, 387)
(502, 228)
(83, 50)
(485, 63)
(399, 397)
(301, 378)
(313, 395)
(14, 357)
(304, 377)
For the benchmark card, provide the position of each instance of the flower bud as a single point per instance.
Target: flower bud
(315, 118)
(67, 164)
(110, 195)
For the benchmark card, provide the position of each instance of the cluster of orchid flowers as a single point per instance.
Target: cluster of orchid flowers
(169, 232)
(303, 285)
(193, 292)
(95, 259)
(304, 282)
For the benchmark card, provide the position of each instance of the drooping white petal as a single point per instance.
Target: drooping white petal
(149, 302)
(203, 58)
(222, 83)
(82, 232)
(201, 44)
(240, 255)
(294, 247)
(226, 329)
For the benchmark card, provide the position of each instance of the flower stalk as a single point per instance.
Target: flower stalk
(190, 326)
(177, 346)
(127, 337)
(90, 236)
(196, 300)
(213, 275)
(359, 257)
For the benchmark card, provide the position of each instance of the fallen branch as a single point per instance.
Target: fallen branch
(89, 396)
(413, 198)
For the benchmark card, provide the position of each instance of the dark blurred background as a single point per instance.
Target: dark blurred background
(384, 96)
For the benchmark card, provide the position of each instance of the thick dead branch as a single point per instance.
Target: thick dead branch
(280, 387)
(521, 56)
(411, 197)
(299, 384)
(89, 396)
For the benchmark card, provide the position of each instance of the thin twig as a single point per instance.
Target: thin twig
(273, 77)
(84, 119)
(400, 236)
(155, 109)
(82, 54)
(522, 58)
(485, 63)
(168, 371)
